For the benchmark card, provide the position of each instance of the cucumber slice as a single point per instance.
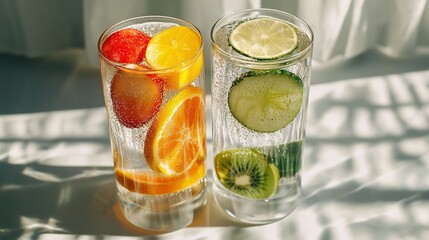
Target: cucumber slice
(287, 157)
(266, 101)
(263, 38)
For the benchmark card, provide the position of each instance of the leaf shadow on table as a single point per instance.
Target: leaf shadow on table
(364, 176)
(40, 199)
(57, 180)
(366, 159)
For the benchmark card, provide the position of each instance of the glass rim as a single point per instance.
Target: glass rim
(260, 63)
(146, 19)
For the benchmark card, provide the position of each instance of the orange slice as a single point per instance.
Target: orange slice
(176, 138)
(178, 51)
(148, 182)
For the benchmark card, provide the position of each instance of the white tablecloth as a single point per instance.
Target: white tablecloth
(365, 173)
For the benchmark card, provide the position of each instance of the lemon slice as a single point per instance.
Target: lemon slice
(263, 38)
(177, 47)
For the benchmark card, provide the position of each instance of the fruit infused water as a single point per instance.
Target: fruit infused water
(153, 83)
(260, 86)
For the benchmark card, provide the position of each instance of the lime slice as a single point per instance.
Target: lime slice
(266, 101)
(263, 38)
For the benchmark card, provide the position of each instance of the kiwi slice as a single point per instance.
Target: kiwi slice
(246, 172)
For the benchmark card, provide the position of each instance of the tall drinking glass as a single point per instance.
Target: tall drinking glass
(153, 84)
(260, 87)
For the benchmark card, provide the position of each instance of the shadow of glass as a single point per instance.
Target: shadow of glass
(78, 200)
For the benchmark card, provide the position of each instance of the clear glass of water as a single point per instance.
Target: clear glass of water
(153, 84)
(260, 87)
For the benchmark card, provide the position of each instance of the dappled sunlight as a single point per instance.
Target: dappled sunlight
(370, 108)
(51, 165)
(63, 138)
(71, 124)
(365, 171)
(41, 176)
(33, 224)
(366, 158)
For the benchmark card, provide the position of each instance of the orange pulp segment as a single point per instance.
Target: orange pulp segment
(178, 51)
(148, 182)
(176, 138)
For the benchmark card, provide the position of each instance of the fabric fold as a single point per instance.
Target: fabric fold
(343, 29)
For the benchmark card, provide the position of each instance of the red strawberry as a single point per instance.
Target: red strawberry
(136, 96)
(126, 46)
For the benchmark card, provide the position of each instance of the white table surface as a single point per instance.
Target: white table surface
(365, 172)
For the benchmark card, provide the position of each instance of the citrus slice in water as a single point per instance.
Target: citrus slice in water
(176, 139)
(266, 101)
(177, 50)
(263, 38)
(148, 182)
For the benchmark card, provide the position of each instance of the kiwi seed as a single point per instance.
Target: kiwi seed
(246, 172)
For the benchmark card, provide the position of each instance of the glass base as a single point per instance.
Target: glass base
(260, 211)
(164, 213)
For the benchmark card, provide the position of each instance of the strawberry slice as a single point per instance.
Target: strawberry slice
(126, 46)
(136, 96)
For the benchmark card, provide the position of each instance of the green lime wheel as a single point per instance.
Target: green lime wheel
(263, 38)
